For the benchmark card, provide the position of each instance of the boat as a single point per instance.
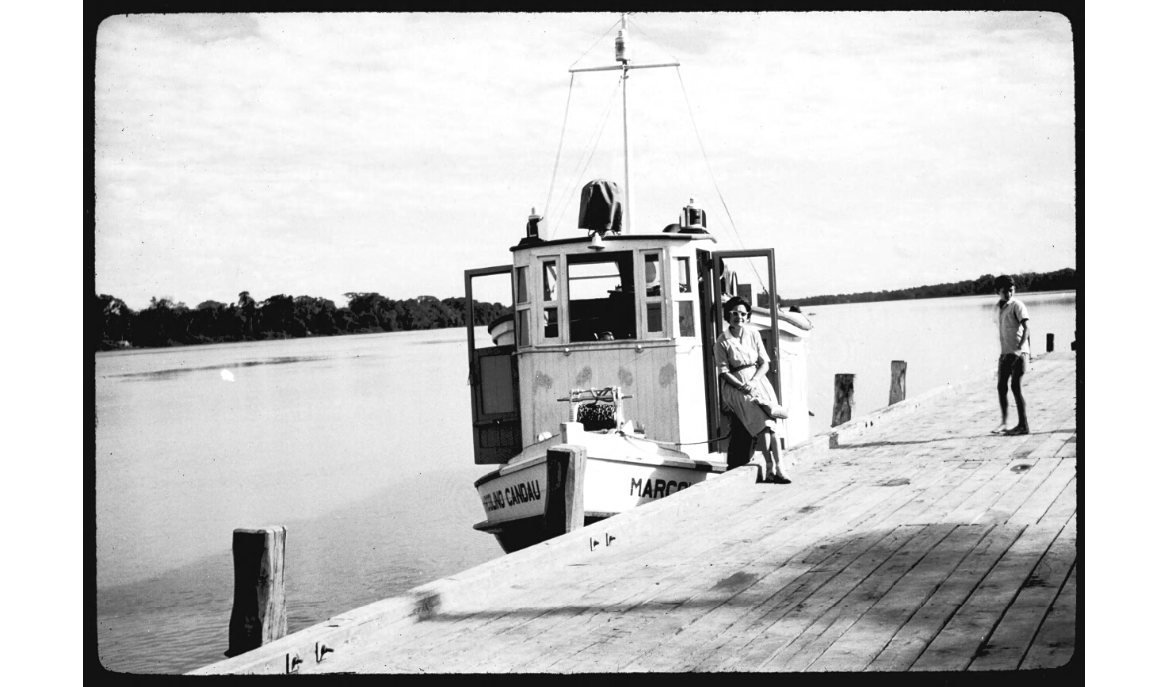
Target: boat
(597, 393)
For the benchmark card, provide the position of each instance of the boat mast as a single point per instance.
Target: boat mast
(622, 58)
(625, 66)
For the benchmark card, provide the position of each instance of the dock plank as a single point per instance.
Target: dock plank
(955, 647)
(860, 643)
(1006, 647)
(1054, 644)
(910, 640)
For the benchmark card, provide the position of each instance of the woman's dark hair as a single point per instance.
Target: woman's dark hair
(733, 303)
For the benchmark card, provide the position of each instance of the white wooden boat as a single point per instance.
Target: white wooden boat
(608, 358)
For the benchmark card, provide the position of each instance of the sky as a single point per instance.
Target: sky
(318, 154)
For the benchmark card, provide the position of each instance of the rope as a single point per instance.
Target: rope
(651, 441)
(690, 443)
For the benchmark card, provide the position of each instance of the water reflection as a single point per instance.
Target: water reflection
(176, 372)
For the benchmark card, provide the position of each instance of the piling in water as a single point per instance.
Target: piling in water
(259, 614)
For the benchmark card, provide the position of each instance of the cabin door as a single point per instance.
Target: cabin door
(745, 273)
(494, 386)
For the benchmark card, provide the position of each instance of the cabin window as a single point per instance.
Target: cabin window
(521, 285)
(523, 326)
(550, 323)
(653, 318)
(550, 292)
(651, 275)
(550, 300)
(601, 296)
(682, 276)
(685, 315)
(654, 321)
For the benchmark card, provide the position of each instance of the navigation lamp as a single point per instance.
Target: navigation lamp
(693, 217)
(532, 229)
(597, 241)
(620, 45)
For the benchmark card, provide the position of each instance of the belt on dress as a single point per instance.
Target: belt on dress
(739, 368)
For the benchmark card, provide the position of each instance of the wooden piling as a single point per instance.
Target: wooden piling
(899, 382)
(259, 614)
(844, 398)
(565, 478)
(1049, 343)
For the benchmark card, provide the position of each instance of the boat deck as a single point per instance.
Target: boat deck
(921, 542)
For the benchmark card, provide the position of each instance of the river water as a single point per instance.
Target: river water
(361, 447)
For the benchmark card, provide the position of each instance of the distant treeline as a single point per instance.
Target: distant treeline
(1061, 280)
(166, 323)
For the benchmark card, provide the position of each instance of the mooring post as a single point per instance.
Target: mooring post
(1049, 342)
(259, 615)
(844, 398)
(565, 477)
(899, 382)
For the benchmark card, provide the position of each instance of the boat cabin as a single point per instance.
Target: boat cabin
(637, 312)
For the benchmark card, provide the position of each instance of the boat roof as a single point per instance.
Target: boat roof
(662, 236)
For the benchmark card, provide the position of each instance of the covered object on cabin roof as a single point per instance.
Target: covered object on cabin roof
(601, 207)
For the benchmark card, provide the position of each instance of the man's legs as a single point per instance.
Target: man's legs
(1004, 369)
(1019, 367)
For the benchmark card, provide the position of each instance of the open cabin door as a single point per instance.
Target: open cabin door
(494, 387)
(745, 273)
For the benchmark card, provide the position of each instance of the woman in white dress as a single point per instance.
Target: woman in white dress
(742, 364)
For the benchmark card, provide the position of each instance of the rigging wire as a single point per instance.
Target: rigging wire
(582, 167)
(716, 186)
(705, 157)
(585, 53)
(641, 31)
(562, 133)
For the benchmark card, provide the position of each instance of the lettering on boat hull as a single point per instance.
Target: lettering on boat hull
(610, 486)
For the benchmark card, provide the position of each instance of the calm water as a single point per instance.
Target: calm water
(360, 446)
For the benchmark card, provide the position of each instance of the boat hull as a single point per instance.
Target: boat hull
(516, 496)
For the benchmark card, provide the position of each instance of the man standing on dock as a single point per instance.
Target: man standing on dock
(1013, 323)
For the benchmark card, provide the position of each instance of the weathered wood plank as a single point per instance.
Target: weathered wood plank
(595, 589)
(833, 620)
(857, 503)
(684, 651)
(910, 640)
(695, 595)
(796, 612)
(1063, 479)
(1055, 643)
(687, 633)
(997, 508)
(1015, 470)
(954, 648)
(1007, 645)
(860, 643)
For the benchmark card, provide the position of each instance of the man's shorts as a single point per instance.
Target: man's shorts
(1012, 365)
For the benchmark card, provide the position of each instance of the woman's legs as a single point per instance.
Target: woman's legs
(772, 454)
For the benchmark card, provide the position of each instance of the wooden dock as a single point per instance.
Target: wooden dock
(920, 542)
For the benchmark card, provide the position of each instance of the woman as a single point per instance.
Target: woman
(742, 364)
